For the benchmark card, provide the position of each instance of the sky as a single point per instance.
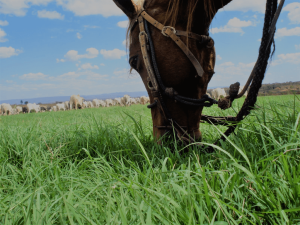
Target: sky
(65, 47)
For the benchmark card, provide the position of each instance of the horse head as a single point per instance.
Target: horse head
(176, 69)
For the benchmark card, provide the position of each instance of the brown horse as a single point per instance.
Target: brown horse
(175, 68)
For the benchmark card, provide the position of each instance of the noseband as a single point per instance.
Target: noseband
(154, 80)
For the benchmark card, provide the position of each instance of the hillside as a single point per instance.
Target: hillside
(280, 88)
(286, 88)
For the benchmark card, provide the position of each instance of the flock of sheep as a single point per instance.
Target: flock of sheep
(78, 102)
(221, 93)
(75, 102)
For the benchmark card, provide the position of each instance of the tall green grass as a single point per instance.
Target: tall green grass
(101, 166)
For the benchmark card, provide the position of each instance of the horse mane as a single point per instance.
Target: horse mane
(176, 5)
(138, 4)
(173, 11)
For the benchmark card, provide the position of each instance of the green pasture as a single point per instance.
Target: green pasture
(101, 166)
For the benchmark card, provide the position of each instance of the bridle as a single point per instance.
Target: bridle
(158, 89)
(154, 80)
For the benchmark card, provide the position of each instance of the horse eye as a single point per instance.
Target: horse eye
(133, 61)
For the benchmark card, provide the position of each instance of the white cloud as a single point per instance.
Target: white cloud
(19, 7)
(284, 32)
(297, 47)
(113, 54)
(293, 58)
(102, 64)
(90, 26)
(50, 15)
(78, 7)
(219, 57)
(123, 24)
(88, 66)
(228, 73)
(105, 8)
(125, 74)
(227, 64)
(64, 77)
(3, 23)
(294, 12)
(70, 83)
(68, 75)
(72, 55)
(60, 60)
(70, 30)
(33, 76)
(246, 5)
(124, 43)
(96, 76)
(2, 35)
(233, 26)
(79, 36)
(9, 81)
(90, 75)
(6, 52)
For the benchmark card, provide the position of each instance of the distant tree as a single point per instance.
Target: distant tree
(21, 102)
(26, 102)
(40, 103)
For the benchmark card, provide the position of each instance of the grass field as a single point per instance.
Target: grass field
(101, 166)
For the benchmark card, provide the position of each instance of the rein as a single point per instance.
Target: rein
(158, 89)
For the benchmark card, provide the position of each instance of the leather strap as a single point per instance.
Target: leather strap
(186, 51)
(135, 20)
(172, 34)
(151, 20)
(143, 42)
(197, 37)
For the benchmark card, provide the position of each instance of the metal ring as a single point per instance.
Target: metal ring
(150, 85)
(165, 28)
(212, 45)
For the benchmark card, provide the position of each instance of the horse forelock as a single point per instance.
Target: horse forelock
(138, 4)
(190, 7)
(174, 9)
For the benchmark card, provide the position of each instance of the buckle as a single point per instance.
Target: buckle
(163, 31)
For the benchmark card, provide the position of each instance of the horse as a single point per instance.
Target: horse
(186, 70)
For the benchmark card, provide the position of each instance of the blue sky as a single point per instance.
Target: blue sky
(65, 47)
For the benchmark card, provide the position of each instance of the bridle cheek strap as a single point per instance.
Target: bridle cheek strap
(172, 33)
(143, 38)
